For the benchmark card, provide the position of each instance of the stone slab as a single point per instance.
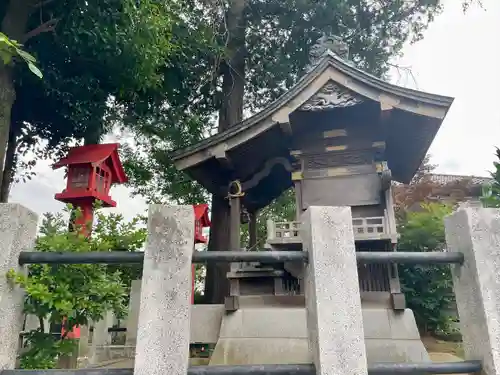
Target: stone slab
(206, 323)
(389, 336)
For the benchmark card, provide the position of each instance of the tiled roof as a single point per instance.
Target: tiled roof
(448, 178)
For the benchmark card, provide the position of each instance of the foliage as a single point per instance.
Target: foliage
(10, 49)
(282, 208)
(104, 62)
(428, 289)
(74, 294)
(278, 37)
(425, 189)
(491, 192)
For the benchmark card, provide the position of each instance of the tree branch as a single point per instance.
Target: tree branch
(42, 3)
(45, 27)
(42, 324)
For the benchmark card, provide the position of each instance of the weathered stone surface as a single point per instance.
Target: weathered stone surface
(476, 233)
(253, 333)
(164, 317)
(333, 301)
(206, 323)
(18, 227)
(255, 351)
(265, 322)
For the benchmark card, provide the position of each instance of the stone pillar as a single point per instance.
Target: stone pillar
(101, 338)
(133, 313)
(333, 301)
(475, 232)
(164, 317)
(18, 228)
(83, 342)
(31, 323)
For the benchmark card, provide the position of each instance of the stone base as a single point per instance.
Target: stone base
(278, 335)
(110, 353)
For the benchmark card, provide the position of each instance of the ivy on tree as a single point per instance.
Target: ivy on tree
(75, 294)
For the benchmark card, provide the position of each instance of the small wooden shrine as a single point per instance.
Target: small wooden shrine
(339, 137)
(91, 171)
(201, 221)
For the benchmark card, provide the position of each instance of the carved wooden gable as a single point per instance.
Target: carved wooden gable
(331, 95)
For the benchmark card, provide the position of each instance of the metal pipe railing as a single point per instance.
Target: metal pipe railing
(463, 367)
(408, 257)
(125, 257)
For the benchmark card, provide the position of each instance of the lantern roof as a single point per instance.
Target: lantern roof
(96, 154)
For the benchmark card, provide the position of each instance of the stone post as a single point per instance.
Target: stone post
(101, 338)
(164, 317)
(133, 313)
(333, 301)
(83, 344)
(475, 232)
(31, 323)
(18, 228)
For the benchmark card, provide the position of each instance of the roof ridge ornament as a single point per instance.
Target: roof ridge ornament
(327, 44)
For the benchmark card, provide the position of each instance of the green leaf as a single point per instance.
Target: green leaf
(6, 57)
(77, 293)
(25, 55)
(35, 70)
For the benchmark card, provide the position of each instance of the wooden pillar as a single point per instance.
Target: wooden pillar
(252, 231)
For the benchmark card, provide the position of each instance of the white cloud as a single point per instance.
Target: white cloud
(458, 56)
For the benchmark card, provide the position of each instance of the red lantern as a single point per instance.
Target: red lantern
(91, 171)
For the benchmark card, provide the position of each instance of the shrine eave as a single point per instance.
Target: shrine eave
(412, 120)
(330, 69)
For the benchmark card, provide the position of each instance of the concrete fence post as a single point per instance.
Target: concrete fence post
(18, 228)
(164, 316)
(333, 302)
(133, 313)
(101, 338)
(475, 232)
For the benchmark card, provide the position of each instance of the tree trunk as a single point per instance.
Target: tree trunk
(93, 136)
(216, 283)
(14, 25)
(9, 168)
(7, 98)
(230, 113)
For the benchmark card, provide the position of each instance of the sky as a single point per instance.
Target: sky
(459, 56)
